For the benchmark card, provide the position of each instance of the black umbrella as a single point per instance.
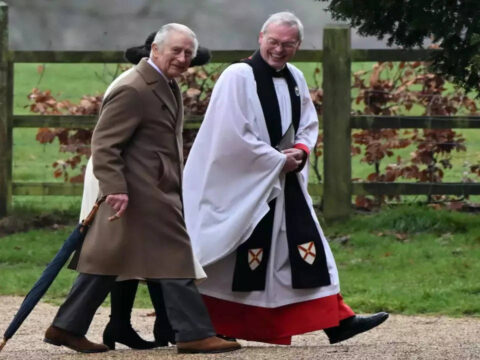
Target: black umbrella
(72, 243)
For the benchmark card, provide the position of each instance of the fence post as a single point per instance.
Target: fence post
(5, 115)
(337, 191)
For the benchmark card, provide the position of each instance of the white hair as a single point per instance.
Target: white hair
(284, 18)
(165, 31)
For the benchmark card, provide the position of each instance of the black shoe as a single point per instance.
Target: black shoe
(126, 335)
(354, 325)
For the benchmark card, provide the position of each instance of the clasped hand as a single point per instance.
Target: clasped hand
(294, 159)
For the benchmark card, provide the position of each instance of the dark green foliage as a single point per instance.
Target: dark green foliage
(452, 25)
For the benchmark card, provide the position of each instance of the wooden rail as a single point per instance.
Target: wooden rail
(336, 120)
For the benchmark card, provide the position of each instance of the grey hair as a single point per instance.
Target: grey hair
(165, 31)
(284, 18)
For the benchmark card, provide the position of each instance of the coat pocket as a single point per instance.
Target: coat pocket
(160, 166)
(168, 177)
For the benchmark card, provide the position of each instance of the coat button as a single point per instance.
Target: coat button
(164, 107)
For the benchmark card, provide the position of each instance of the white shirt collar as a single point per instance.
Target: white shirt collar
(150, 61)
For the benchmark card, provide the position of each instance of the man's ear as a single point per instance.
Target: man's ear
(260, 38)
(154, 51)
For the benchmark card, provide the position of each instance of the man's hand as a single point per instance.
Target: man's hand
(119, 203)
(298, 154)
(294, 159)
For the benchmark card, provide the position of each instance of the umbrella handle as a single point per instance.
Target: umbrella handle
(88, 220)
(4, 341)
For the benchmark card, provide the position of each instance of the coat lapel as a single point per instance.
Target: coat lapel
(159, 85)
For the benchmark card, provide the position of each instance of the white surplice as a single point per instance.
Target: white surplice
(231, 175)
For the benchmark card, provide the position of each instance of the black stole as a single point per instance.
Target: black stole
(301, 228)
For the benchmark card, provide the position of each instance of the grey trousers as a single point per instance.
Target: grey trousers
(184, 305)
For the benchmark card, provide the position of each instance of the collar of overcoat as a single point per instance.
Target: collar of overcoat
(171, 97)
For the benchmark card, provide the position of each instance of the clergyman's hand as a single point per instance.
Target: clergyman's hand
(119, 203)
(297, 153)
(292, 163)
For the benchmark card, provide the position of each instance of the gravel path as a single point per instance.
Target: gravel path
(401, 337)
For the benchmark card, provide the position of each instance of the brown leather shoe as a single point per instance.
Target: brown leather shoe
(208, 345)
(58, 337)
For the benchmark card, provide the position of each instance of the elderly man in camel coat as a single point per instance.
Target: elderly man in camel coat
(137, 152)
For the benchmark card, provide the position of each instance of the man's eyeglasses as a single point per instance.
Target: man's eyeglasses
(289, 45)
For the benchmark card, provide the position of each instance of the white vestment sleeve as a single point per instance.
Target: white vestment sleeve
(232, 171)
(307, 132)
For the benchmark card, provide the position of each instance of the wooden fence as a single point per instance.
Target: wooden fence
(336, 56)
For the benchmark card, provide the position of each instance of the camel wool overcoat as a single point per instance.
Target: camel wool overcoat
(137, 150)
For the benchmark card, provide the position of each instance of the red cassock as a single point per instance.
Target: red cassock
(276, 325)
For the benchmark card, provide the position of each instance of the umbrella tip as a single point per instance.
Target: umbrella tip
(2, 344)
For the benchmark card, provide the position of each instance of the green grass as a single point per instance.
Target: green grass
(32, 161)
(66, 81)
(24, 256)
(433, 271)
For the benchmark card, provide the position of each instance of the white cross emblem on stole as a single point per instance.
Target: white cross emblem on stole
(255, 258)
(307, 252)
